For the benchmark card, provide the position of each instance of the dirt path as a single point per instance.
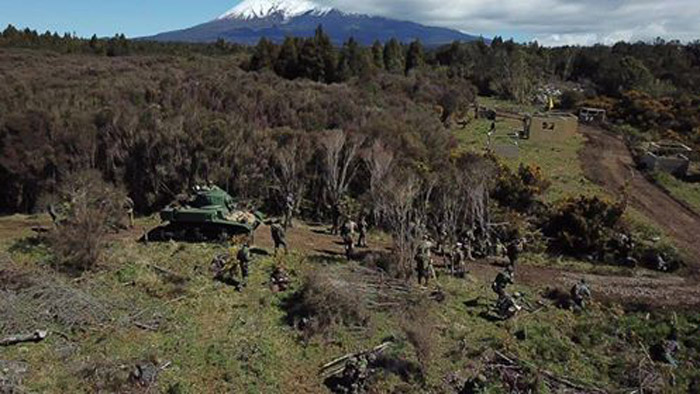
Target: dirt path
(607, 162)
(644, 289)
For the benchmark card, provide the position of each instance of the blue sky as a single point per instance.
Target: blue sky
(108, 17)
(550, 22)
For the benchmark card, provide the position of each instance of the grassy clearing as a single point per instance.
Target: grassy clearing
(557, 155)
(220, 340)
(683, 191)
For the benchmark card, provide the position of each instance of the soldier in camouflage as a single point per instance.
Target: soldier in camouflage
(503, 280)
(288, 210)
(362, 230)
(469, 241)
(355, 374)
(279, 279)
(278, 236)
(670, 347)
(457, 266)
(580, 293)
(54, 215)
(423, 261)
(506, 306)
(348, 245)
(129, 209)
(244, 259)
(513, 251)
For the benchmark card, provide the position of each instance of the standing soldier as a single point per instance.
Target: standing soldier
(288, 210)
(348, 244)
(335, 216)
(457, 267)
(362, 230)
(469, 242)
(580, 293)
(54, 215)
(513, 251)
(423, 263)
(627, 251)
(278, 236)
(442, 237)
(243, 257)
(129, 208)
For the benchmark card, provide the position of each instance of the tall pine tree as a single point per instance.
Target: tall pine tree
(393, 57)
(287, 64)
(415, 57)
(378, 55)
(263, 55)
(353, 61)
(310, 61)
(327, 54)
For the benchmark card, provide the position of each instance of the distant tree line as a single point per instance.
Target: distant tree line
(118, 45)
(317, 59)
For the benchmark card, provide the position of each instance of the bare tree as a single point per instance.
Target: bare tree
(339, 153)
(379, 160)
(398, 199)
(289, 166)
(461, 200)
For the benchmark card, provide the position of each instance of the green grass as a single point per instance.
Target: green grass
(683, 191)
(220, 340)
(557, 157)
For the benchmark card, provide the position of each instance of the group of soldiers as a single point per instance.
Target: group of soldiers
(468, 249)
(226, 269)
(347, 233)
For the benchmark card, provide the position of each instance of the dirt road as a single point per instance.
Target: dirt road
(607, 162)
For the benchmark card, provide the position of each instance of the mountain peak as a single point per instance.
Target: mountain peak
(253, 9)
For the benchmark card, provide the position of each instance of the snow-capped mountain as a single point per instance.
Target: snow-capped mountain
(251, 20)
(251, 9)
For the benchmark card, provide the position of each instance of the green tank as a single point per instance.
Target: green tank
(210, 214)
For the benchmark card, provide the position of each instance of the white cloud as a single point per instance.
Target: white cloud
(551, 22)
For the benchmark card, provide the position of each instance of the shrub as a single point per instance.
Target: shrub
(571, 99)
(519, 190)
(92, 207)
(420, 331)
(324, 302)
(583, 225)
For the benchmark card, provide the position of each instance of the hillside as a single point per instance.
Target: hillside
(150, 317)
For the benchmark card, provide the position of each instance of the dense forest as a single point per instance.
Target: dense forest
(157, 118)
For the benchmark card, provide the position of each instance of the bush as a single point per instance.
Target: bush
(519, 191)
(92, 207)
(324, 302)
(571, 99)
(420, 331)
(583, 225)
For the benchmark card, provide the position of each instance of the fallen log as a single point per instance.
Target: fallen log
(550, 375)
(36, 336)
(339, 360)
